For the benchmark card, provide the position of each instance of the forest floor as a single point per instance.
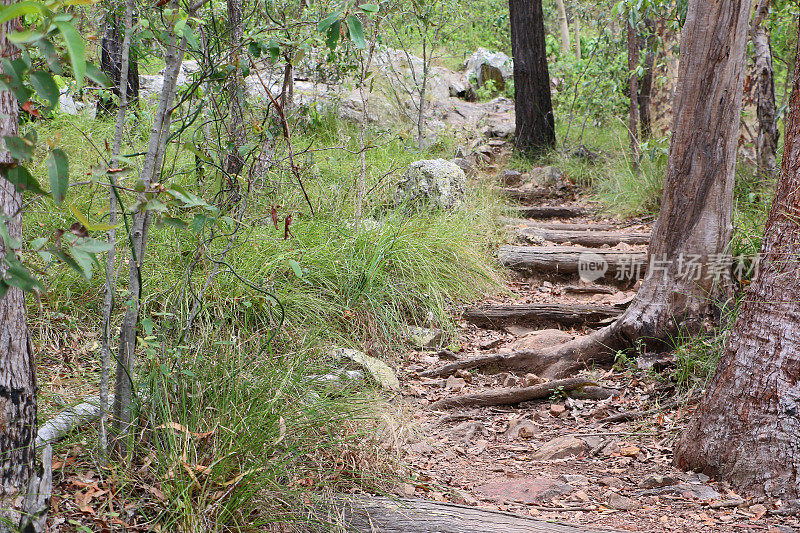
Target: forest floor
(561, 459)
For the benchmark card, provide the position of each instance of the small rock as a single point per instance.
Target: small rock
(623, 503)
(489, 344)
(464, 374)
(557, 409)
(520, 428)
(688, 490)
(524, 490)
(629, 451)
(409, 489)
(758, 509)
(575, 479)
(655, 481)
(548, 176)
(510, 381)
(560, 448)
(509, 178)
(544, 338)
(424, 338)
(467, 430)
(455, 384)
(532, 379)
(422, 448)
(610, 481)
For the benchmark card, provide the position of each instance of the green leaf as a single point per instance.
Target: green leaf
(21, 9)
(22, 180)
(77, 50)
(84, 260)
(23, 37)
(97, 76)
(185, 197)
(296, 268)
(45, 87)
(91, 226)
(198, 222)
(356, 32)
(369, 8)
(48, 50)
(254, 49)
(21, 148)
(175, 222)
(333, 35)
(58, 170)
(18, 276)
(92, 246)
(14, 72)
(329, 21)
(3, 289)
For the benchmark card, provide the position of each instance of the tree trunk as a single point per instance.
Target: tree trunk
(633, 90)
(123, 387)
(535, 131)
(767, 141)
(18, 409)
(686, 267)
(746, 429)
(563, 26)
(235, 88)
(646, 83)
(111, 65)
(577, 37)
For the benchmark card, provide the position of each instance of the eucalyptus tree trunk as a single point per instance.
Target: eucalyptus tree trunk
(111, 65)
(563, 26)
(19, 477)
(649, 43)
(767, 140)
(126, 359)
(577, 37)
(535, 128)
(633, 89)
(746, 429)
(686, 274)
(234, 160)
(113, 207)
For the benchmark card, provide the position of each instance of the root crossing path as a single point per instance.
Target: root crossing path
(591, 452)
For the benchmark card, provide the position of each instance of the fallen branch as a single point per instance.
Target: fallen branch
(551, 212)
(69, 419)
(534, 235)
(468, 364)
(509, 396)
(629, 416)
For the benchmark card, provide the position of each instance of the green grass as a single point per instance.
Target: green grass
(274, 442)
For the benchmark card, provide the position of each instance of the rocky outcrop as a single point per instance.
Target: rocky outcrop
(485, 65)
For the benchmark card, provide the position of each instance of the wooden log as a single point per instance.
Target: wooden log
(551, 212)
(533, 235)
(589, 289)
(499, 316)
(373, 514)
(528, 223)
(526, 194)
(569, 259)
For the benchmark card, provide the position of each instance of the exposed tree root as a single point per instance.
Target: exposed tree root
(512, 396)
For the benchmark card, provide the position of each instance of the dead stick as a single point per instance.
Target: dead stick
(511, 396)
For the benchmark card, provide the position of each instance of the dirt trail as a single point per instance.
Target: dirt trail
(562, 458)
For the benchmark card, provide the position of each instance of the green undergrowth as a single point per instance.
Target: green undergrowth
(263, 441)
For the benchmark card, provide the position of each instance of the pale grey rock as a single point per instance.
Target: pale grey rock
(433, 183)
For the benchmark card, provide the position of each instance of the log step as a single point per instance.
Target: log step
(519, 223)
(368, 514)
(500, 316)
(526, 194)
(570, 259)
(551, 212)
(533, 235)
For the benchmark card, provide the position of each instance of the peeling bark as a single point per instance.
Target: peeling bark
(746, 430)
